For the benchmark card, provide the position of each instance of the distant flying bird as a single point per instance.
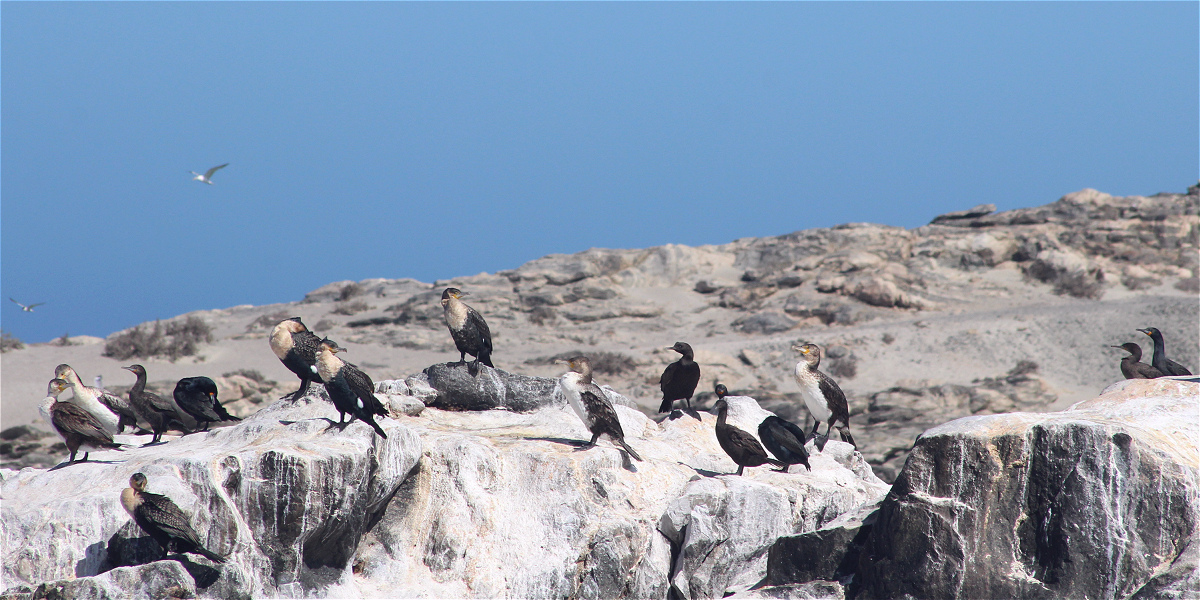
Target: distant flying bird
(207, 176)
(26, 308)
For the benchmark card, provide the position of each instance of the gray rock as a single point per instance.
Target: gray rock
(970, 213)
(459, 389)
(764, 322)
(812, 590)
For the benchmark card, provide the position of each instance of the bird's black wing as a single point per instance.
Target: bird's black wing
(784, 433)
(742, 447)
(305, 345)
(158, 402)
(835, 397)
(360, 383)
(1174, 368)
(68, 418)
(1140, 370)
(603, 414)
(167, 517)
(478, 328)
(116, 404)
(668, 375)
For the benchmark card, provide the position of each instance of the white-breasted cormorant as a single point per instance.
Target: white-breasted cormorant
(150, 407)
(158, 516)
(679, 379)
(1159, 360)
(467, 327)
(197, 396)
(296, 348)
(77, 427)
(113, 411)
(590, 403)
(351, 390)
(739, 445)
(781, 437)
(1132, 368)
(824, 399)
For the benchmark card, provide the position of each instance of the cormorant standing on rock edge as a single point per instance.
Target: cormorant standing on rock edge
(1132, 368)
(467, 327)
(678, 381)
(158, 516)
(77, 427)
(739, 445)
(197, 396)
(824, 399)
(782, 437)
(590, 403)
(113, 411)
(1160, 360)
(351, 390)
(296, 348)
(151, 408)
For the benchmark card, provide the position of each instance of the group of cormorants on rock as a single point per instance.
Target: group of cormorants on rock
(88, 420)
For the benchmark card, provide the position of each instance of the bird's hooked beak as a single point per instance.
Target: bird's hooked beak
(1145, 331)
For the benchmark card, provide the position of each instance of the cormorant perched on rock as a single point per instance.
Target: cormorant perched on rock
(590, 403)
(351, 390)
(113, 411)
(1160, 360)
(158, 516)
(678, 381)
(1132, 368)
(197, 396)
(739, 445)
(467, 327)
(77, 427)
(782, 437)
(296, 348)
(824, 399)
(149, 407)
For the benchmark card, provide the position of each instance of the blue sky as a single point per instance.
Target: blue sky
(433, 140)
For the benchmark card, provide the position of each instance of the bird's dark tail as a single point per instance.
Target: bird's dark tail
(487, 360)
(666, 405)
(630, 450)
(371, 421)
(213, 556)
(844, 432)
(778, 463)
(225, 416)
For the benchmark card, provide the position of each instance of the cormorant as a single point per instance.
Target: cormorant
(1132, 368)
(1160, 360)
(77, 427)
(351, 390)
(467, 327)
(158, 516)
(739, 445)
(590, 403)
(296, 348)
(113, 411)
(824, 399)
(678, 381)
(150, 407)
(782, 437)
(197, 396)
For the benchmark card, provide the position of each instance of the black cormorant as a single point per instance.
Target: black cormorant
(158, 516)
(77, 427)
(590, 403)
(782, 437)
(824, 399)
(678, 381)
(1160, 360)
(113, 411)
(467, 327)
(1132, 368)
(197, 396)
(739, 445)
(150, 408)
(351, 390)
(296, 348)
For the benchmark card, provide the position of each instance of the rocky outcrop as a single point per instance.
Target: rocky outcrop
(1098, 501)
(454, 503)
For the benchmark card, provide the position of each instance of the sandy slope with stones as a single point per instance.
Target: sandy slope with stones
(922, 325)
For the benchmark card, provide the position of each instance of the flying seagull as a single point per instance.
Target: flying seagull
(207, 176)
(26, 308)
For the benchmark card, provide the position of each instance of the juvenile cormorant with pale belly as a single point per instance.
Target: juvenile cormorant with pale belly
(351, 390)
(824, 399)
(1160, 360)
(1132, 367)
(590, 403)
(197, 396)
(150, 407)
(467, 327)
(679, 379)
(77, 427)
(113, 411)
(296, 348)
(158, 516)
(739, 445)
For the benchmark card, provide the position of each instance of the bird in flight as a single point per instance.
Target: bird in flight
(207, 176)
(26, 308)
